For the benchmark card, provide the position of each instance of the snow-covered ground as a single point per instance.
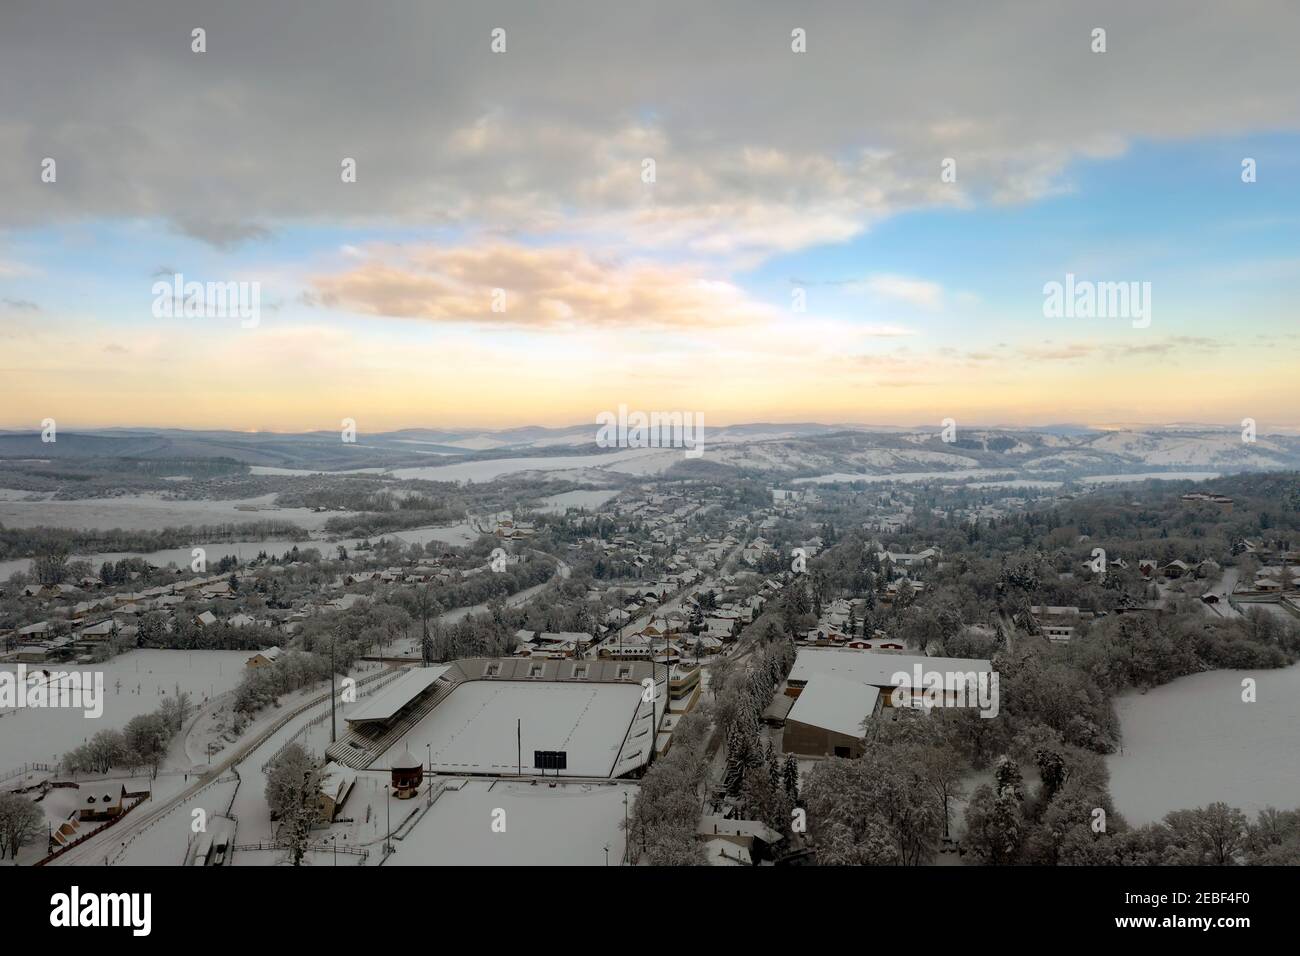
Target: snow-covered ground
(166, 841)
(1194, 741)
(136, 682)
(475, 728)
(957, 475)
(558, 504)
(491, 469)
(457, 534)
(152, 512)
(564, 825)
(299, 472)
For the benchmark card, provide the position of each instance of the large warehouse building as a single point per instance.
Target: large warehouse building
(826, 719)
(835, 691)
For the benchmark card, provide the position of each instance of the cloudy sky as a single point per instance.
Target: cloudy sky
(780, 179)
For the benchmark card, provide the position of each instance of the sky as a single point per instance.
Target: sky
(665, 206)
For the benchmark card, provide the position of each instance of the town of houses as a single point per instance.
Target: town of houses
(676, 580)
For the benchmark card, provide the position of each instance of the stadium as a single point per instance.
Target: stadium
(516, 716)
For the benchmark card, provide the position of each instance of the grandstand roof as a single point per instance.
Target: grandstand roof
(386, 703)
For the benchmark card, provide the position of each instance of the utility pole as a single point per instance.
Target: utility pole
(333, 696)
(654, 708)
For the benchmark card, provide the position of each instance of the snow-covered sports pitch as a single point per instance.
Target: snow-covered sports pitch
(475, 729)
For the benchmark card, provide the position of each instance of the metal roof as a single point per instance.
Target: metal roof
(386, 703)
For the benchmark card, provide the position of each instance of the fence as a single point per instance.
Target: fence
(320, 845)
(121, 850)
(95, 832)
(26, 769)
(379, 680)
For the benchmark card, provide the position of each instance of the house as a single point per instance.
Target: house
(705, 644)
(735, 841)
(720, 852)
(720, 627)
(1057, 623)
(552, 644)
(100, 801)
(336, 782)
(878, 643)
(1175, 569)
(98, 632)
(344, 602)
(206, 619)
(825, 636)
(905, 560)
(264, 658)
(893, 588)
(53, 591)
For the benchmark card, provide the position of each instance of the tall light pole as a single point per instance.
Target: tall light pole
(333, 641)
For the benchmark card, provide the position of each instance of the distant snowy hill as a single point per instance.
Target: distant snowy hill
(793, 450)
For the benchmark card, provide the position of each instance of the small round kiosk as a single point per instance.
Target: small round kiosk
(408, 774)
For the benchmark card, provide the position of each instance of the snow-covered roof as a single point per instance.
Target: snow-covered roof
(405, 760)
(397, 695)
(725, 853)
(713, 825)
(336, 780)
(835, 703)
(877, 670)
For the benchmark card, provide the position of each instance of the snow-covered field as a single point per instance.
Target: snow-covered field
(905, 476)
(457, 534)
(299, 472)
(627, 460)
(474, 729)
(557, 504)
(1194, 741)
(1218, 448)
(565, 825)
(136, 682)
(152, 512)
